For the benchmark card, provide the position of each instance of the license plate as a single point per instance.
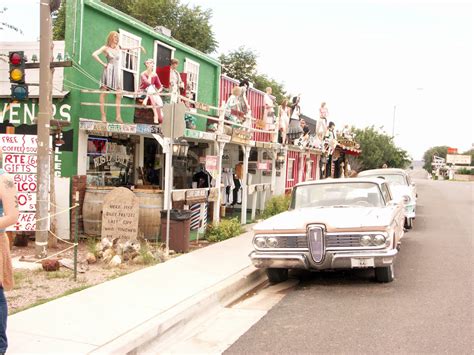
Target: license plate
(362, 262)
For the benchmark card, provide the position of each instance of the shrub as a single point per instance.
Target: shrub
(227, 228)
(465, 171)
(276, 205)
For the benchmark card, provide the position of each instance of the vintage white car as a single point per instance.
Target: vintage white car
(401, 187)
(332, 224)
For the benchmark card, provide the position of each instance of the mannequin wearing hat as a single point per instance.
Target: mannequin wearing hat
(150, 83)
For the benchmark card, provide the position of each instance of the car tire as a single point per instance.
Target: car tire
(277, 275)
(384, 274)
(408, 223)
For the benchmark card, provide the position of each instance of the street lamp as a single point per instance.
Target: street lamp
(180, 148)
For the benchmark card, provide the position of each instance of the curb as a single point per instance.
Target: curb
(172, 323)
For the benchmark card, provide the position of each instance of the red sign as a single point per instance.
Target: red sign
(452, 150)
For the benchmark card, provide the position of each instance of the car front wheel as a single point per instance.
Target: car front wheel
(409, 223)
(277, 275)
(384, 274)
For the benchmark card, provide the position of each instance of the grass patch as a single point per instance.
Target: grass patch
(45, 300)
(19, 277)
(57, 275)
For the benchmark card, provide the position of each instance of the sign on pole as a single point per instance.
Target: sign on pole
(458, 159)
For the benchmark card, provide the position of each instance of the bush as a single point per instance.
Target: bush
(276, 205)
(465, 171)
(227, 228)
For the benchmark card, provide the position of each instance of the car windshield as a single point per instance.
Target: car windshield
(338, 195)
(394, 179)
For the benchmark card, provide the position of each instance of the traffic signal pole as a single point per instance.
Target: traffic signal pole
(44, 116)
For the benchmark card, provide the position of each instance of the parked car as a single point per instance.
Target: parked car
(332, 224)
(402, 188)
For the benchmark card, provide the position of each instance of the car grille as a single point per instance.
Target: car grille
(342, 241)
(292, 241)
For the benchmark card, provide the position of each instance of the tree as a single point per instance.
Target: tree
(239, 64)
(378, 149)
(59, 24)
(188, 24)
(440, 151)
(471, 153)
(261, 82)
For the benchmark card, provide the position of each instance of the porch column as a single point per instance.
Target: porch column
(219, 149)
(301, 166)
(273, 180)
(246, 150)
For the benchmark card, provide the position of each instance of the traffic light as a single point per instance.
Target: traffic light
(19, 90)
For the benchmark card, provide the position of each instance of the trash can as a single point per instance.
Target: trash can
(180, 224)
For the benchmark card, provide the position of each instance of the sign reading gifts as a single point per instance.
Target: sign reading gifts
(20, 160)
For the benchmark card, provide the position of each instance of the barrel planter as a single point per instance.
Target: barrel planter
(149, 218)
(92, 210)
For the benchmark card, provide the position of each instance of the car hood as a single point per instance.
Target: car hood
(334, 218)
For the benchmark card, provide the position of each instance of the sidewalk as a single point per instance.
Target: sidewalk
(120, 315)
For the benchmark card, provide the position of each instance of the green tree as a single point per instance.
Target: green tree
(188, 24)
(59, 25)
(378, 149)
(440, 151)
(239, 64)
(261, 82)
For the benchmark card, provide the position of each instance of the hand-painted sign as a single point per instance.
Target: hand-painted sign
(26, 222)
(19, 163)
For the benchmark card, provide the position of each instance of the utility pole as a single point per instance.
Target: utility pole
(44, 116)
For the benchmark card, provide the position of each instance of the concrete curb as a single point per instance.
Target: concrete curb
(172, 323)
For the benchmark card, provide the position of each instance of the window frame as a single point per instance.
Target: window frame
(191, 63)
(155, 51)
(291, 176)
(123, 69)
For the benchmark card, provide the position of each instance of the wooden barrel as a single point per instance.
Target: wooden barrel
(149, 218)
(92, 210)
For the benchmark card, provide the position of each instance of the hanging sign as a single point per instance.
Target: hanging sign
(196, 196)
(211, 165)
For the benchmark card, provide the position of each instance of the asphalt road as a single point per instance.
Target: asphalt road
(427, 309)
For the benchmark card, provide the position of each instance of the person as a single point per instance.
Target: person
(243, 102)
(284, 121)
(232, 106)
(322, 124)
(9, 213)
(330, 142)
(294, 128)
(150, 83)
(269, 111)
(176, 84)
(384, 166)
(111, 76)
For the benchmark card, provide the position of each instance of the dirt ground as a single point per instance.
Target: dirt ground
(34, 287)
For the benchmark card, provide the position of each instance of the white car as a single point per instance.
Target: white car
(402, 188)
(332, 224)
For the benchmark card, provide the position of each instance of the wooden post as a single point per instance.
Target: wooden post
(44, 116)
(243, 217)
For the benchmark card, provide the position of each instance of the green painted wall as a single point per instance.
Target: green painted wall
(87, 26)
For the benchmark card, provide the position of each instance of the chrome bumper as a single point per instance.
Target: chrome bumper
(332, 259)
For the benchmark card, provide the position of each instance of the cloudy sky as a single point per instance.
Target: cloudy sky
(362, 58)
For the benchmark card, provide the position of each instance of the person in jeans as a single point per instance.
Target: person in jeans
(9, 216)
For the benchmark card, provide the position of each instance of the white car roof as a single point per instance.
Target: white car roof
(342, 181)
(387, 171)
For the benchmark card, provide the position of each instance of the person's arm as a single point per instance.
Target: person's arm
(9, 201)
(159, 86)
(133, 48)
(96, 54)
(144, 79)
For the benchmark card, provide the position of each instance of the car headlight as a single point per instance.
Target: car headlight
(365, 240)
(260, 242)
(406, 199)
(379, 239)
(272, 242)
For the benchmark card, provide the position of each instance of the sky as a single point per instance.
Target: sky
(370, 61)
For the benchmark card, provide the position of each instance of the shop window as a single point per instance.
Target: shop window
(130, 60)
(191, 68)
(163, 54)
(291, 165)
(110, 161)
